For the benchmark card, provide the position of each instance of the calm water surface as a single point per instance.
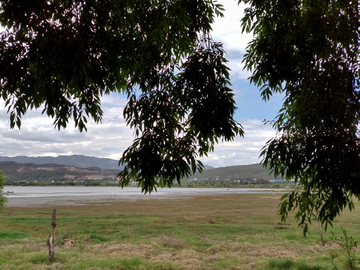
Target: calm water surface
(41, 192)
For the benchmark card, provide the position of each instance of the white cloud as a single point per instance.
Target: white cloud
(243, 150)
(113, 100)
(237, 69)
(38, 137)
(227, 30)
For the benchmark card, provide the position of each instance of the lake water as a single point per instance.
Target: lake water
(52, 196)
(70, 191)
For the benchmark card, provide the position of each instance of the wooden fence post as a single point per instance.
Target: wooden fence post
(51, 240)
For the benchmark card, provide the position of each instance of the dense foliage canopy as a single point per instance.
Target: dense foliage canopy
(64, 55)
(310, 51)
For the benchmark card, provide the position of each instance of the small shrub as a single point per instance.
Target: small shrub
(98, 238)
(349, 245)
(286, 264)
(121, 235)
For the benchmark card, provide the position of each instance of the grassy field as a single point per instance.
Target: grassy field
(199, 232)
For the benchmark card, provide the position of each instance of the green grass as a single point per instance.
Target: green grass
(289, 264)
(11, 234)
(204, 232)
(98, 238)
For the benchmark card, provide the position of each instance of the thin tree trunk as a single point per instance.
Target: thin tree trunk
(51, 240)
(321, 230)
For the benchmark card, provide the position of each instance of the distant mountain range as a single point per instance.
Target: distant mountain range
(86, 167)
(79, 161)
(53, 172)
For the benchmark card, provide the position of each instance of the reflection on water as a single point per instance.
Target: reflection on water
(53, 191)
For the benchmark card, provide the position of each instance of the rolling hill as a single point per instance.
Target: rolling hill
(79, 161)
(239, 172)
(48, 172)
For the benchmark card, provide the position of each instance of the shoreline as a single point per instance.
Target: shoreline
(59, 201)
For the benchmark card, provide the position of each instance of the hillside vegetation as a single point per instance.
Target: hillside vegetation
(240, 172)
(29, 172)
(74, 160)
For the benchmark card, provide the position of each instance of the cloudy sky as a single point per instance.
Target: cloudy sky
(38, 137)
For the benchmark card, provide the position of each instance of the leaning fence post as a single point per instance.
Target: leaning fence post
(51, 240)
